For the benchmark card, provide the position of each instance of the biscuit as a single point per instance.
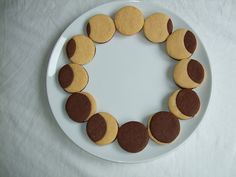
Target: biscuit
(133, 136)
(181, 44)
(80, 106)
(73, 77)
(100, 28)
(80, 49)
(102, 128)
(129, 20)
(184, 103)
(163, 127)
(188, 73)
(157, 27)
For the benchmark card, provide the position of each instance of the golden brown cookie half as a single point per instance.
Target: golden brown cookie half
(129, 20)
(157, 27)
(181, 44)
(73, 77)
(188, 73)
(184, 103)
(80, 49)
(101, 28)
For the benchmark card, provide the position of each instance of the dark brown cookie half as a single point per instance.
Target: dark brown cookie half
(133, 136)
(164, 126)
(190, 41)
(195, 71)
(65, 76)
(169, 26)
(70, 48)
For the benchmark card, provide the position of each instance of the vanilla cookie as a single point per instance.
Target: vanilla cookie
(73, 77)
(101, 28)
(184, 103)
(157, 27)
(181, 44)
(80, 106)
(80, 49)
(188, 73)
(133, 136)
(129, 20)
(102, 128)
(163, 127)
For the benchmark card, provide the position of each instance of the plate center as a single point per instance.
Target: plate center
(130, 77)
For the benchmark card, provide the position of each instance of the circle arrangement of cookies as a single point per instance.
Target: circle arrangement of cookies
(162, 127)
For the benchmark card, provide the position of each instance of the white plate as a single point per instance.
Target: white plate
(130, 78)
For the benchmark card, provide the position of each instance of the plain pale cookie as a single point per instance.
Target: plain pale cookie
(188, 73)
(184, 103)
(181, 44)
(157, 27)
(80, 106)
(102, 128)
(163, 127)
(73, 78)
(133, 136)
(101, 28)
(80, 49)
(129, 20)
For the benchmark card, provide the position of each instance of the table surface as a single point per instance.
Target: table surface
(31, 142)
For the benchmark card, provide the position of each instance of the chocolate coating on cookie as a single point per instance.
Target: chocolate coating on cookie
(164, 127)
(70, 48)
(78, 107)
(65, 77)
(169, 26)
(188, 102)
(133, 136)
(96, 127)
(190, 41)
(195, 71)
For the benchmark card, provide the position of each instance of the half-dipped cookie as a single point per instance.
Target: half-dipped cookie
(80, 49)
(73, 77)
(129, 20)
(163, 127)
(184, 103)
(188, 73)
(80, 106)
(101, 28)
(133, 136)
(181, 44)
(102, 128)
(157, 27)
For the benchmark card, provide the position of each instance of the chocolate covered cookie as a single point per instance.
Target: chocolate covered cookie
(181, 44)
(184, 103)
(102, 128)
(188, 73)
(157, 27)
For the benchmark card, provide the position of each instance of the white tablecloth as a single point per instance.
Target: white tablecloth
(31, 142)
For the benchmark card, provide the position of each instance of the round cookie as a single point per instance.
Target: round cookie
(80, 49)
(184, 103)
(163, 127)
(73, 77)
(188, 73)
(100, 28)
(181, 44)
(129, 20)
(133, 136)
(157, 27)
(102, 128)
(80, 106)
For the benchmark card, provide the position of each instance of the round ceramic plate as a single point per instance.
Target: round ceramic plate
(130, 77)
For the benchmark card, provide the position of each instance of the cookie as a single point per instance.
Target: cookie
(133, 136)
(73, 78)
(129, 20)
(163, 127)
(157, 27)
(102, 128)
(184, 103)
(80, 106)
(80, 49)
(101, 28)
(188, 73)
(181, 44)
